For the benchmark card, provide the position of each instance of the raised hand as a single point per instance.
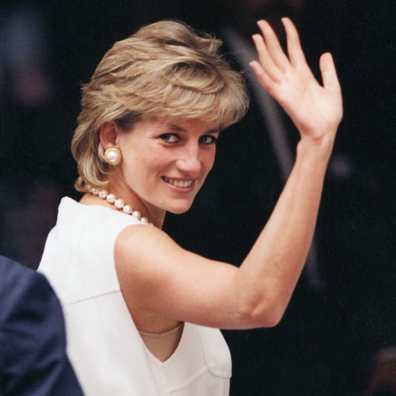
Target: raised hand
(315, 110)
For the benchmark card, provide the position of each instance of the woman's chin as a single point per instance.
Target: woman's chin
(179, 209)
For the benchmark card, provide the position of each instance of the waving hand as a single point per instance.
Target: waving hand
(315, 110)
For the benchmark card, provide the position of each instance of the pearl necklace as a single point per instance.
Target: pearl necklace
(120, 205)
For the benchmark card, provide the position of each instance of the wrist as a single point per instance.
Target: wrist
(318, 150)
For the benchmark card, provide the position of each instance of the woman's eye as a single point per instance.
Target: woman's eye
(208, 139)
(170, 137)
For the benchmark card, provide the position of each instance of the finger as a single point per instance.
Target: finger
(329, 73)
(296, 54)
(265, 58)
(273, 45)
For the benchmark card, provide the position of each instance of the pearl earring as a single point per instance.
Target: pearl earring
(113, 156)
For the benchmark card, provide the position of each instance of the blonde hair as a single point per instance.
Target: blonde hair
(165, 71)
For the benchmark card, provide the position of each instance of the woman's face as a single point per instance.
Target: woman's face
(165, 165)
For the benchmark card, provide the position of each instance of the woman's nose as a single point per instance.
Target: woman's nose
(189, 161)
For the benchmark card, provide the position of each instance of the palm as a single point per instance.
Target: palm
(316, 110)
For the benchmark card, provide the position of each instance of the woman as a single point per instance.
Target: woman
(142, 313)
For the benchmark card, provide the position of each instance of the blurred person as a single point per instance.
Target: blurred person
(382, 381)
(23, 54)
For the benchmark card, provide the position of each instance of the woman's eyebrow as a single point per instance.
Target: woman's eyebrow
(213, 130)
(178, 128)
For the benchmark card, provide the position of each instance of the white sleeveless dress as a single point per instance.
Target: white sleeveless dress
(104, 346)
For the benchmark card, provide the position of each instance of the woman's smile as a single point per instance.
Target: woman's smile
(184, 184)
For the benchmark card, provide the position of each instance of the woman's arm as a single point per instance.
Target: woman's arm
(158, 277)
(316, 111)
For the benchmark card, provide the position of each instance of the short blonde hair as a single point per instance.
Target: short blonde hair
(165, 71)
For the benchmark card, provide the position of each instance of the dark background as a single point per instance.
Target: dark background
(329, 337)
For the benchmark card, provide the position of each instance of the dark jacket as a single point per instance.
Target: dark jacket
(33, 358)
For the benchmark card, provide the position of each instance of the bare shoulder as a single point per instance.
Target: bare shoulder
(140, 244)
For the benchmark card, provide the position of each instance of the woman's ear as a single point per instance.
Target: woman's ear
(108, 135)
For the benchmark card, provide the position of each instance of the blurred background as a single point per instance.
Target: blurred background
(342, 314)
